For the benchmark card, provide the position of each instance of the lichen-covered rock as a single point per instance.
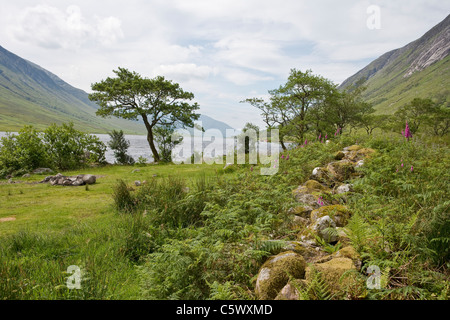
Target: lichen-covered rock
(321, 174)
(314, 185)
(332, 273)
(275, 272)
(359, 154)
(309, 193)
(301, 211)
(290, 291)
(350, 253)
(343, 188)
(324, 227)
(341, 170)
(339, 155)
(339, 213)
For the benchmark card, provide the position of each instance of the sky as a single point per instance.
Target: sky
(223, 51)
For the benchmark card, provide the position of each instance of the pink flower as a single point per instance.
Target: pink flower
(407, 132)
(412, 168)
(282, 156)
(251, 169)
(287, 157)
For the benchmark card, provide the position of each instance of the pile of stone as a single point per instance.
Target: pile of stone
(79, 180)
(295, 263)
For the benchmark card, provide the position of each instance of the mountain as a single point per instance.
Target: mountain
(31, 95)
(419, 69)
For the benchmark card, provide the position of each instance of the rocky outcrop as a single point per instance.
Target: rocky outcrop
(275, 272)
(316, 218)
(74, 181)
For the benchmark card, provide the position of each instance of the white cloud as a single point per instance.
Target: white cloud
(184, 71)
(50, 27)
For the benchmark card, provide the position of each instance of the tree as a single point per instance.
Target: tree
(167, 139)
(159, 102)
(417, 113)
(120, 146)
(244, 139)
(290, 104)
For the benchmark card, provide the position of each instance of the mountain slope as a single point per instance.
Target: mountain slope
(419, 69)
(32, 95)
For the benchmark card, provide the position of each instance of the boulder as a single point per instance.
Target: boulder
(332, 274)
(359, 154)
(339, 155)
(137, 183)
(301, 211)
(322, 228)
(339, 213)
(275, 273)
(42, 170)
(290, 291)
(343, 188)
(341, 170)
(89, 179)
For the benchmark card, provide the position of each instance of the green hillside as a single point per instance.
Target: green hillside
(32, 95)
(419, 69)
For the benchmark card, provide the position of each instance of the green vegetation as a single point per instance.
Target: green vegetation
(57, 147)
(195, 232)
(158, 101)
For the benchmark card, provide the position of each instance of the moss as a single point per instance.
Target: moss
(332, 272)
(339, 155)
(290, 291)
(302, 211)
(315, 185)
(341, 170)
(360, 154)
(339, 213)
(354, 147)
(348, 252)
(275, 273)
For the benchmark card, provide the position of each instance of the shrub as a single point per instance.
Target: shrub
(120, 146)
(23, 152)
(69, 148)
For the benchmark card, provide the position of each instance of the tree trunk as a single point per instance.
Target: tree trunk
(150, 138)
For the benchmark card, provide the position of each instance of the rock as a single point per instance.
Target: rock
(137, 183)
(10, 180)
(42, 170)
(322, 227)
(332, 273)
(26, 175)
(301, 211)
(359, 154)
(354, 147)
(339, 213)
(359, 164)
(290, 291)
(314, 185)
(339, 155)
(89, 179)
(321, 174)
(274, 274)
(299, 222)
(341, 170)
(344, 188)
(135, 170)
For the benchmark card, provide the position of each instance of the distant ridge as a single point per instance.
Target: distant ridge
(419, 69)
(31, 95)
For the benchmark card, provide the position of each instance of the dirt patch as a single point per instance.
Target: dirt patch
(7, 219)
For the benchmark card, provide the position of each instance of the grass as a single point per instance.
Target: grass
(57, 227)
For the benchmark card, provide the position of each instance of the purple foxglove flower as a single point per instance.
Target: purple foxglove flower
(412, 168)
(407, 132)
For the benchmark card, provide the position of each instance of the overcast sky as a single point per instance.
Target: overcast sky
(221, 50)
